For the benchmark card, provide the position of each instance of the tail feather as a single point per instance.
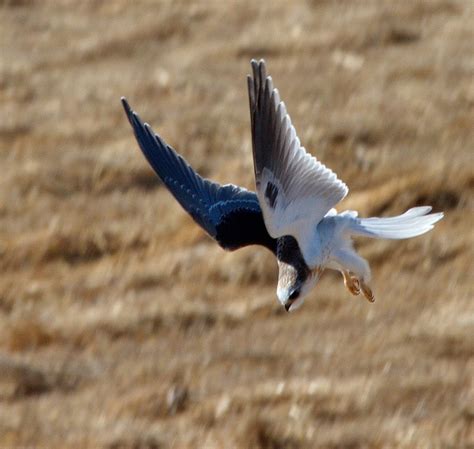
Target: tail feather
(413, 222)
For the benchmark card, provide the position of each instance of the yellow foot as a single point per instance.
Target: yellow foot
(352, 283)
(367, 291)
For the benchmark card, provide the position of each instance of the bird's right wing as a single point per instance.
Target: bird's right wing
(295, 189)
(230, 214)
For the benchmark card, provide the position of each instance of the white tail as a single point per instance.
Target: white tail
(413, 222)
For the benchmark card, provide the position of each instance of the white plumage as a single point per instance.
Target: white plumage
(297, 194)
(412, 223)
(307, 189)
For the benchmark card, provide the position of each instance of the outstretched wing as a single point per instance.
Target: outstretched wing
(295, 190)
(230, 214)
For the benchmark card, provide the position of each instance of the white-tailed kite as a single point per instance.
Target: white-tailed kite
(292, 214)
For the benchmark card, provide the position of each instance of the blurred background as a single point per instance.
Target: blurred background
(123, 326)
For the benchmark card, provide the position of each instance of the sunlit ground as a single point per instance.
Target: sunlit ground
(123, 326)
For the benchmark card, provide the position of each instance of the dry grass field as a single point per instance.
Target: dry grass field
(123, 326)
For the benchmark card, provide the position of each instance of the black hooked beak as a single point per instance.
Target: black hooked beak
(288, 305)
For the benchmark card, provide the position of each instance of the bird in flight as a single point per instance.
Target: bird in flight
(292, 212)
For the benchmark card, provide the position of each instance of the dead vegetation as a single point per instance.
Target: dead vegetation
(123, 326)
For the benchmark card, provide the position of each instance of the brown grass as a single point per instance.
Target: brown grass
(123, 326)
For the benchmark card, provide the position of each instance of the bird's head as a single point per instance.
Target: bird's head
(294, 285)
(295, 278)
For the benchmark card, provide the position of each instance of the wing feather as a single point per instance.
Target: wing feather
(295, 190)
(228, 213)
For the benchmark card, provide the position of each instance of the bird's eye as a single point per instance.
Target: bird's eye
(294, 295)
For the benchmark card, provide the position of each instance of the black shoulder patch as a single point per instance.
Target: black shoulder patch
(271, 193)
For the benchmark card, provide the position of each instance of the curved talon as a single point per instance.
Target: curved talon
(356, 284)
(367, 291)
(352, 283)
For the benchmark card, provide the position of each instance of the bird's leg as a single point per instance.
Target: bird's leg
(367, 291)
(351, 282)
(353, 263)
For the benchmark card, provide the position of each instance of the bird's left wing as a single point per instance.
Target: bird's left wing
(295, 190)
(228, 213)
